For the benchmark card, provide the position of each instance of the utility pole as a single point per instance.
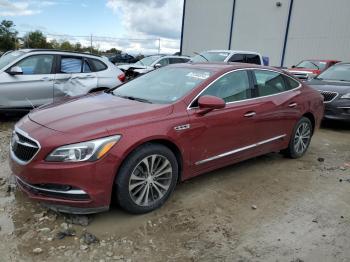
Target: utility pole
(91, 43)
(158, 46)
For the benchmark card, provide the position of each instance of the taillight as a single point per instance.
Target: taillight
(121, 77)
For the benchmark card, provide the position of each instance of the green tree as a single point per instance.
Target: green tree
(35, 39)
(8, 35)
(66, 45)
(54, 44)
(113, 51)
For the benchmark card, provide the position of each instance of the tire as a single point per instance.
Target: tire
(298, 144)
(151, 166)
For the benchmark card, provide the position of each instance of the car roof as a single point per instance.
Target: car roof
(222, 66)
(232, 51)
(320, 60)
(168, 56)
(57, 51)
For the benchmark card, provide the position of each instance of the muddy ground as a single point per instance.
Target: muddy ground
(302, 214)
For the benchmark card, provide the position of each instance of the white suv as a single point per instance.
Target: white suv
(229, 56)
(33, 77)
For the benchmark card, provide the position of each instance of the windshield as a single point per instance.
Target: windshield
(340, 72)
(317, 65)
(163, 86)
(210, 56)
(148, 61)
(9, 58)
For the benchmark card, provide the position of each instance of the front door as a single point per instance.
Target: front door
(32, 88)
(221, 136)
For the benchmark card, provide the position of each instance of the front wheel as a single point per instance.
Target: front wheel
(300, 139)
(146, 179)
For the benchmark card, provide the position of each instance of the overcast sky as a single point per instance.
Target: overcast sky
(110, 19)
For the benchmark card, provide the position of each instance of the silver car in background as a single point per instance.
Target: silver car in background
(33, 77)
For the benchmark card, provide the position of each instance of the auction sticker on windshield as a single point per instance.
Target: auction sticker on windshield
(199, 75)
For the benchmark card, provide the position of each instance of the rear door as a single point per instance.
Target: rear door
(32, 88)
(75, 77)
(279, 108)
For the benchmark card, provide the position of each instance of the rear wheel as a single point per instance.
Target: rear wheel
(300, 139)
(147, 178)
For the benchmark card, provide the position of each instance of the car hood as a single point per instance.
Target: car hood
(333, 86)
(97, 113)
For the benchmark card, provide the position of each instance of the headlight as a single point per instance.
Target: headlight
(346, 96)
(85, 151)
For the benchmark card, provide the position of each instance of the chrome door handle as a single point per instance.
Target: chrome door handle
(250, 114)
(292, 105)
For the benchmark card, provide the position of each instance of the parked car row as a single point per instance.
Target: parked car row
(150, 63)
(195, 116)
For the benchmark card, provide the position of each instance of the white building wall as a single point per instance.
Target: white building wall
(319, 29)
(260, 25)
(207, 25)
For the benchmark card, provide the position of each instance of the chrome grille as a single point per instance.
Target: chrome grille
(328, 95)
(23, 147)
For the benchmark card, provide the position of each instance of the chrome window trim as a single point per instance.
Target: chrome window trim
(344, 107)
(12, 154)
(68, 192)
(248, 99)
(235, 151)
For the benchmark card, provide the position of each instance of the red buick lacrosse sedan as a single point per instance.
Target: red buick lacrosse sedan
(137, 141)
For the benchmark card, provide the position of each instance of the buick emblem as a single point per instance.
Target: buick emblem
(14, 141)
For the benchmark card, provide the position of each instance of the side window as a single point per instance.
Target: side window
(291, 83)
(231, 87)
(178, 60)
(86, 67)
(252, 59)
(71, 65)
(98, 65)
(163, 61)
(269, 82)
(238, 58)
(36, 65)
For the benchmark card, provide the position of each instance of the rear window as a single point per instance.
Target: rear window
(98, 65)
(252, 59)
(211, 57)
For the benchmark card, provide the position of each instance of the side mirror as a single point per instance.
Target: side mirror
(157, 66)
(208, 103)
(16, 70)
(293, 66)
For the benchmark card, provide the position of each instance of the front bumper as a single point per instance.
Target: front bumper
(84, 187)
(337, 110)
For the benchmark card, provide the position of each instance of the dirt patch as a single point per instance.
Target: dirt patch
(266, 209)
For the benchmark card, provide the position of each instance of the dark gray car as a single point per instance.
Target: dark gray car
(334, 85)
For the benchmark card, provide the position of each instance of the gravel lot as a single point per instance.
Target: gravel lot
(266, 209)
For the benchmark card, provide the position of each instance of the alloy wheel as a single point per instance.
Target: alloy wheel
(302, 138)
(150, 180)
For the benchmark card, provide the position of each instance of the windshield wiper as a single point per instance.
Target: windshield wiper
(201, 56)
(135, 99)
